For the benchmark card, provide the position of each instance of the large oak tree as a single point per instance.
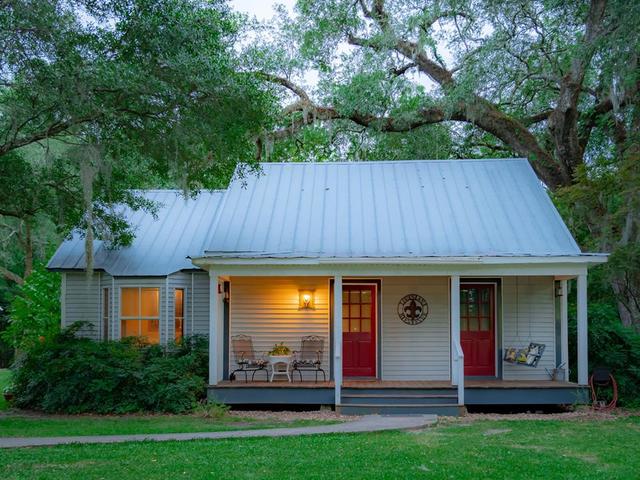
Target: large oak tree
(550, 80)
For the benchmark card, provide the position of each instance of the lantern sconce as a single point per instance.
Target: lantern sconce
(306, 300)
(559, 291)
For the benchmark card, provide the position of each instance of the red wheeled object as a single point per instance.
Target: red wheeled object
(602, 379)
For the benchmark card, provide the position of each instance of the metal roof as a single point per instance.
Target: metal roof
(161, 245)
(385, 209)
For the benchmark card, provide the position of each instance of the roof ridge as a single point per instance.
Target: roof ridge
(424, 160)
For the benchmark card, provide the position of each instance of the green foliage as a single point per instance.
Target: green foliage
(35, 310)
(280, 349)
(211, 410)
(78, 375)
(611, 344)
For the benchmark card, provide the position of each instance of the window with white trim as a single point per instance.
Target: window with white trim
(140, 313)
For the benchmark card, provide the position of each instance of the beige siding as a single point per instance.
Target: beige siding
(81, 302)
(266, 308)
(415, 352)
(529, 316)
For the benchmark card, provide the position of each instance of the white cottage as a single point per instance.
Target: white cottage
(404, 286)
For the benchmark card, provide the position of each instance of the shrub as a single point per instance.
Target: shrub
(35, 310)
(76, 375)
(610, 345)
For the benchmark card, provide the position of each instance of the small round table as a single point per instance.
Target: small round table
(282, 360)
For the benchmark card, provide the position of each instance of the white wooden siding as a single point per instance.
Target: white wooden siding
(198, 319)
(82, 303)
(528, 316)
(415, 352)
(266, 308)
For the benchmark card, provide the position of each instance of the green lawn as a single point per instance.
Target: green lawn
(525, 449)
(4, 381)
(53, 426)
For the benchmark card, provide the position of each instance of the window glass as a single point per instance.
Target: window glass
(179, 313)
(366, 296)
(129, 302)
(106, 307)
(354, 296)
(354, 311)
(366, 311)
(149, 300)
(365, 325)
(140, 313)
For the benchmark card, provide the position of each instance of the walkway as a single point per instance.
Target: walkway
(368, 423)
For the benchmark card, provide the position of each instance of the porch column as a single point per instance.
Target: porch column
(337, 336)
(583, 349)
(457, 358)
(216, 339)
(455, 325)
(564, 329)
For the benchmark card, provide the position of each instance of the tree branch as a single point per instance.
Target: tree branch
(12, 277)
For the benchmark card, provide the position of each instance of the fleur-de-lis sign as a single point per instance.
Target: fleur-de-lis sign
(413, 309)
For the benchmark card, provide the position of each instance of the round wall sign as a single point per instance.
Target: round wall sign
(413, 309)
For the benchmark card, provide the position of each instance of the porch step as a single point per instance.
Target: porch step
(444, 409)
(396, 399)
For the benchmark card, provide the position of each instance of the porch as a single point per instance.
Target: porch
(380, 396)
(410, 364)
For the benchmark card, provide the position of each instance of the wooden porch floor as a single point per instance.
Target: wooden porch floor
(473, 384)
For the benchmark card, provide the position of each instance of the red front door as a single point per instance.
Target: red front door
(477, 329)
(359, 330)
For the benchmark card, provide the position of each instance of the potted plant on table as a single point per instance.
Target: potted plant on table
(280, 350)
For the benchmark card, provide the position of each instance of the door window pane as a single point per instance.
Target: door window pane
(345, 311)
(473, 324)
(485, 309)
(345, 324)
(366, 296)
(485, 324)
(354, 311)
(345, 297)
(366, 311)
(355, 325)
(354, 296)
(365, 325)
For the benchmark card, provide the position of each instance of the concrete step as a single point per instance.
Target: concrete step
(445, 409)
(407, 399)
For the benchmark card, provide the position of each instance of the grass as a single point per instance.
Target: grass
(522, 449)
(4, 381)
(54, 426)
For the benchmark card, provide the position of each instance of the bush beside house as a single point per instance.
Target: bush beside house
(67, 374)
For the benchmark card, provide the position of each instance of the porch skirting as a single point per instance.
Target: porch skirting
(388, 396)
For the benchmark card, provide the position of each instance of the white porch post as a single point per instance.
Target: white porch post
(457, 356)
(455, 327)
(215, 331)
(337, 336)
(583, 349)
(564, 329)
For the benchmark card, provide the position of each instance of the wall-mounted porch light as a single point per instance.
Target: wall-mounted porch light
(559, 291)
(306, 300)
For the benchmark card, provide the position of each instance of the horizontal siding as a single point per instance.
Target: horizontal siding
(198, 320)
(415, 352)
(266, 308)
(82, 303)
(529, 316)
